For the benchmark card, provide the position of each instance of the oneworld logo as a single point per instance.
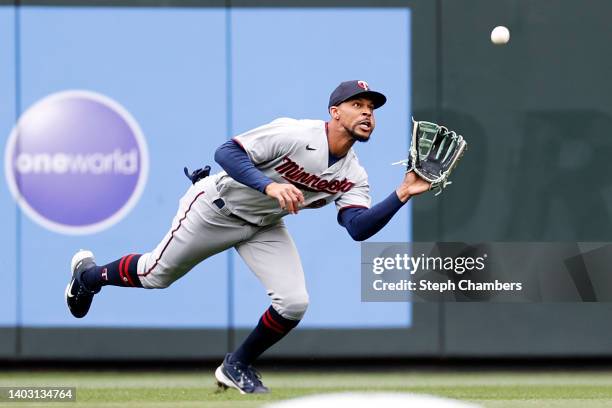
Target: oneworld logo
(117, 162)
(76, 162)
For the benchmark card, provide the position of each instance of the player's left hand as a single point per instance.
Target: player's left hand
(412, 185)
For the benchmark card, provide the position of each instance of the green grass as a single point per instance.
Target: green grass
(197, 389)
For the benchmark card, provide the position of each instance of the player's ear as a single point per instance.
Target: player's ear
(333, 112)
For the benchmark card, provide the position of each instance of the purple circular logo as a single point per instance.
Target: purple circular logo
(76, 162)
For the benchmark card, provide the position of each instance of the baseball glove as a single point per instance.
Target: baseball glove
(434, 153)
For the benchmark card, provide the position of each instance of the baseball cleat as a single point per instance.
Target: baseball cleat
(78, 297)
(240, 376)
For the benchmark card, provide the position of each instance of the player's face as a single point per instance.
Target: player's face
(357, 118)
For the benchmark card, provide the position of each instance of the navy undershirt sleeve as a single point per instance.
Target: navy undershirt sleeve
(235, 161)
(362, 223)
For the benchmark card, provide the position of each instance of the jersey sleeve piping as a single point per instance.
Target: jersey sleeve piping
(238, 143)
(353, 206)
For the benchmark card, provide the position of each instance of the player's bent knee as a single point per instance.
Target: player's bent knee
(294, 306)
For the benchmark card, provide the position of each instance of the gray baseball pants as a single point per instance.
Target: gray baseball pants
(200, 229)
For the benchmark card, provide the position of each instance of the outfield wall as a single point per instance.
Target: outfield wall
(194, 74)
(538, 113)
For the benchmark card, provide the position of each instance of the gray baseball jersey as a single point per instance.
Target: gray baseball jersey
(294, 151)
(287, 151)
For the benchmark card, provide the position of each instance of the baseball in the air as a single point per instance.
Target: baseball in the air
(500, 35)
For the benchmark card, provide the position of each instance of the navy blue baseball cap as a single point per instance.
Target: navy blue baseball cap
(351, 89)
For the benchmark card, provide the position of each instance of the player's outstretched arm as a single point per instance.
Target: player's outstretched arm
(363, 223)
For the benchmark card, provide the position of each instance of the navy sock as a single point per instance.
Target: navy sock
(271, 328)
(122, 272)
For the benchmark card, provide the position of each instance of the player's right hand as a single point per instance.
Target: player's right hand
(288, 196)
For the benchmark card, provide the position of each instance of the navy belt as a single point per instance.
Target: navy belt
(219, 203)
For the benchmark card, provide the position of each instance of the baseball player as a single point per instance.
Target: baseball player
(269, 172)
